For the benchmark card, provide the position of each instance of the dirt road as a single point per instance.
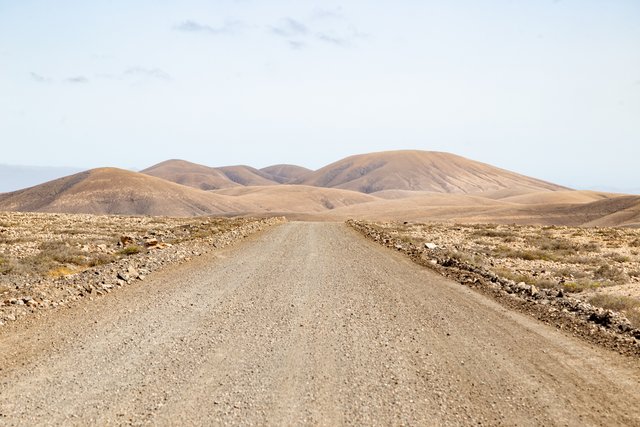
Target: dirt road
(305, 324)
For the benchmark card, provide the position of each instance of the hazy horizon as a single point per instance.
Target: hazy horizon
(549, 89)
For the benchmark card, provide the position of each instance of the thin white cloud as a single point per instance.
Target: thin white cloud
(154, 73)
(77, 80)
(322, 13)
(39, 78)
(331, 39)
(296, 45)
(290, 27)
(190, 26)
(299, 34)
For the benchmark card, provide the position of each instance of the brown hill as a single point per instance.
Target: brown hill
(191, 174)
(286, 173)
(116, 191)
(209, 178)
(246, 175)
(620, 211)
(411, 185)
(419, 170)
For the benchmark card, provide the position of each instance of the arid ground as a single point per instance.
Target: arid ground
(306, 323)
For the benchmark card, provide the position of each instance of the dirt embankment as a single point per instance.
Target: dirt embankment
(51, 260)
(554, 305)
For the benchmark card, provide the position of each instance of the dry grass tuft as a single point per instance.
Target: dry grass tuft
(131, 250)
(619, 258)
(611, 273)
(6, 266)
(61, 271)
(581, 285)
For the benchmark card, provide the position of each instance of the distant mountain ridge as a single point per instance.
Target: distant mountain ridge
(404, 185)
(117, 191)
(410, 170)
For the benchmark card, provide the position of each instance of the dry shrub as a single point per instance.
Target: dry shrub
(52, 255)
(545, 283)
(130, 250)
(7, 240)
(493, 233)
(516, 277)
(571, 272)
(62, 253)
(630, 307)
(634, 273)
(609, 233)
(581, 285)
(615, 302)
(100, 259)
(465, 258)
(6, 266)
(634, 317)
(554, 244)
(529, 255)
(635, 243)
(614, 256)
(611, 273)
(590, 247)
(582, 259)
(74, 231)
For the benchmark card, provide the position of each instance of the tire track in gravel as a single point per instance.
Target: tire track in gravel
(308, 323)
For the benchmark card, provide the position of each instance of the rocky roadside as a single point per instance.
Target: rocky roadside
(552, 306)
(26, 295)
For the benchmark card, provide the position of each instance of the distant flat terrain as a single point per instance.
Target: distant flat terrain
(306, 324)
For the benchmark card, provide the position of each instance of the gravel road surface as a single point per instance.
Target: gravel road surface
(307, 323)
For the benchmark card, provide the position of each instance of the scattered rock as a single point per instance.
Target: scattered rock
(430, 246)
(151, 242)
(192, 237)
(132, 272)
(554, 301)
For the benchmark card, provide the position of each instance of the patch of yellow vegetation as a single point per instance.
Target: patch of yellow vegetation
(62, 271)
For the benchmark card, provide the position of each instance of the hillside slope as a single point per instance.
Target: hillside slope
(190, 174)
(419, 171)
(286, 173)
(246, 175)
(116, 191)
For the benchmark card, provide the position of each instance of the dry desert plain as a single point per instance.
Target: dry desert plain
(456, 294)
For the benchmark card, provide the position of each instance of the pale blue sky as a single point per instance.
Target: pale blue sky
(546, 88)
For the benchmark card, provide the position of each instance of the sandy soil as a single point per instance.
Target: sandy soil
(305, 324)
(49, 260)
(599, 265)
